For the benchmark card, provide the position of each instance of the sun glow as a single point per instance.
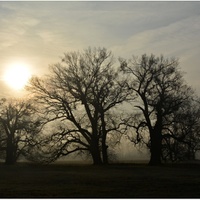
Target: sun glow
(17, 75)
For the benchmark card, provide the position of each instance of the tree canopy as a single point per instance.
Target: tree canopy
(159, 91)
(83, 91)
(19, 125)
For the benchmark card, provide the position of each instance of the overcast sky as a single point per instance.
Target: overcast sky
(40, 32)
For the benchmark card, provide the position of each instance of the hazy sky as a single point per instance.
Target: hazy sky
(38, 33)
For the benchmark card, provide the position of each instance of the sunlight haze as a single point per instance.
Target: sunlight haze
(17, 75)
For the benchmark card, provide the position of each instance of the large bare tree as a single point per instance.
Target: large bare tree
(19, 126)
(158, 91)
(83, 95)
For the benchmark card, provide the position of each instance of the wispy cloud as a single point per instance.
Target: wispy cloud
(174, 39)
(43, 31)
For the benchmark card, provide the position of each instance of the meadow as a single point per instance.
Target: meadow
(117, 180)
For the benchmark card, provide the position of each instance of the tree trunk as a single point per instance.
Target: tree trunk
(104, 153)
(10, 158)
(103, 142)
(96, 159)
(156, 149)
(96, 156)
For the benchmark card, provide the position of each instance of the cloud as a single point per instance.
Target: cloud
(175, 39)
(14, 27)
(43, 31)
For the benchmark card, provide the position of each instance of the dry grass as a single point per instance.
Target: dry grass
(119, 180)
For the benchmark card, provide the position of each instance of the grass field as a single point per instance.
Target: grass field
(117, 180)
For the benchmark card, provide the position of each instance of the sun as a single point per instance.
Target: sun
(17, 75)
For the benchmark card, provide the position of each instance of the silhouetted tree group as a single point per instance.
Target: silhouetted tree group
(88, 102)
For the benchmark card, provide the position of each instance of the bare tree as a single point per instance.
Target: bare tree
(158, 92)
(18, 125)
(182, 137)
(83, 94)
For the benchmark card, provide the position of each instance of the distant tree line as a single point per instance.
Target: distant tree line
(89, 101)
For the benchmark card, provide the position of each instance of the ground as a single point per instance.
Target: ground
(116, 180)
